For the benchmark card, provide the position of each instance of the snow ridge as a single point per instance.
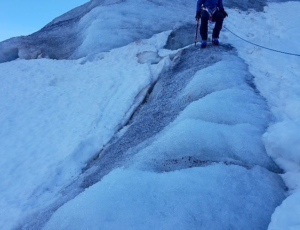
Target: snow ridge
(277, 78)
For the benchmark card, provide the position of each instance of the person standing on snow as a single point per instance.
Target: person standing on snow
(210, 10)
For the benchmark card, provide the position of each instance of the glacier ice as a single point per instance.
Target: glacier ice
(277, 79)
(212, 197)
(56, 115)
(97, 26)
(200, 171)
(218, 133)
(101, 25)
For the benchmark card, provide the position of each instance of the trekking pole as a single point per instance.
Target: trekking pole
(196, 35)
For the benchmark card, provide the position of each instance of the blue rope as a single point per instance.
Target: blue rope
(278, 51)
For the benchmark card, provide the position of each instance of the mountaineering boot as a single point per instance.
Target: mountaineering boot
(203, 44)
(215, 41)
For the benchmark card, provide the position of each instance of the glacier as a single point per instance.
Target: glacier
(101, 25)
(111, 119)
(56, 115)
(277, 79)
(154, 182)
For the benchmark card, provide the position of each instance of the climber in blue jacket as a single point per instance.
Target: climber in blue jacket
(210, 10)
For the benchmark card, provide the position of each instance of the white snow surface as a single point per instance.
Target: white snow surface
(215, 127)
(110, 26)
(185, 199)
(56, 115)
(206, 170)
(99, 26)
(277, 78)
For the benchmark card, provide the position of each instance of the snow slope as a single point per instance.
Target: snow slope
(277, 78)
(56, 115)
(81, 31)
(214, 127)
(212, 197)
(97, 26)
(208, 168)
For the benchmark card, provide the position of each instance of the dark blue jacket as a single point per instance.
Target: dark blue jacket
(210, 4)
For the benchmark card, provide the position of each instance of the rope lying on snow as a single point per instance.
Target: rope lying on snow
(278, 51)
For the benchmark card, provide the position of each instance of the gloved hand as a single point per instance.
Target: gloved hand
(224, 12)
(198, 15)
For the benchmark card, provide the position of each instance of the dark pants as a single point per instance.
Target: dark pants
(217, 17)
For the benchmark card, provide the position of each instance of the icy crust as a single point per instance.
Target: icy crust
(282, 141)
(225, 125)
(199, 172)
(277, 78)
(56, 115)
(230, 106)
(99, 26)
(206, 142)
(287, 214)
(119, 24)
(213, 197)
